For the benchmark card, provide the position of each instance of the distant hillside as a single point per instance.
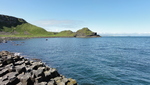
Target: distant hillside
(67, 33)
(16, 27)
(13, 25)
(85, 32)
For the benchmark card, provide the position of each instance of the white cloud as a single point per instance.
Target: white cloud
(58, 23)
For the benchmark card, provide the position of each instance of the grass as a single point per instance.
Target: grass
(25, 28)
(28, 30)
(17, 27)
(66, 33)
(84, 31)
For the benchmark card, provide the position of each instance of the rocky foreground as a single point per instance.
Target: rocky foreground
(17, 70)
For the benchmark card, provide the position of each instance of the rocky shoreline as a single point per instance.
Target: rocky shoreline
(5, 39)
(17, 70)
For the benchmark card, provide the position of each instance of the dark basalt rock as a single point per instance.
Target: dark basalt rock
(16, 70)
(9, 21)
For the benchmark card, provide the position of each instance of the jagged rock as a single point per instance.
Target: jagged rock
(39, 72)
(20, 68)
(18, 58)
(11, 69)
(54, 73)
(36, 65)
(19, 83)
(3, 72)
(9, 59)
(51, 83)
(47, 75)
(4, 82)
(16, 70)
(65, 80)
(42, 83)
(20, 75)
(4, 53)
(26, 79)
(19, 62)
(72, 82)
(61, 83)
(13, 81)
(10, 75)
(38, 79)
(27, 62)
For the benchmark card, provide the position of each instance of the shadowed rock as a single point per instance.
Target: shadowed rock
(16, 70)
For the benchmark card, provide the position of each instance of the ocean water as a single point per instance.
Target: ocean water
(91, 61)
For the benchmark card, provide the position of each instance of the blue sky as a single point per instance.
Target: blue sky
(102, 16)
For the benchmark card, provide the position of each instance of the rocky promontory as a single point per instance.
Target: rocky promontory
(17, 70)
(86, 32)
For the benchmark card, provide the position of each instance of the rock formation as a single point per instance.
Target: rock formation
(9, 21)
(17, 70)
(85, 32)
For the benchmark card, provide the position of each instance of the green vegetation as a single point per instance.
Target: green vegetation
(16, 27)
(84, 31)
(26, 28)
(66, 33)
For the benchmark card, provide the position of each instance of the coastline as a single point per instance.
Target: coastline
(17, 70)
(11, 38)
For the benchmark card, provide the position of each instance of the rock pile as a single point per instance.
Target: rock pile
(17, 70)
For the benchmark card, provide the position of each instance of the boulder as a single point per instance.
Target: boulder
(51, 83)
(20, 68)
(26, 79)
(39, 72)
(3, 72)
(16, 70)
(72, 82)
(36, 65)
(4, 53)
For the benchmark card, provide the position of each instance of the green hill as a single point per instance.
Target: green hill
(16, 27)
(66, 33)
(85, 32)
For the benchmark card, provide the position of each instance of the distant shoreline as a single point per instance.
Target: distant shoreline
(5, 38)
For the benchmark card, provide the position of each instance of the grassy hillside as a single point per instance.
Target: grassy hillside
(16, 27)
(25, 28)
(12, 26)
(66, 33)
(84, 32)
(9, 21)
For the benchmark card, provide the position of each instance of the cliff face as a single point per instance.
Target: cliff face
(9, 21)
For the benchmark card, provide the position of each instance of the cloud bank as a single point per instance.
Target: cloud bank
(58, 23)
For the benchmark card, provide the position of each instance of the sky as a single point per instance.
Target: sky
(101, 16)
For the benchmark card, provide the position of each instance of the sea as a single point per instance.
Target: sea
(117, 60)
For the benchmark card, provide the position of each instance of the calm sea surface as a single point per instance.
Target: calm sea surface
(92, 61)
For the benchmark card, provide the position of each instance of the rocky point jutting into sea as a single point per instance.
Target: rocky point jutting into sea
(17, 70)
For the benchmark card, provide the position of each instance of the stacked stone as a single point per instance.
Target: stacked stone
(17, 70)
